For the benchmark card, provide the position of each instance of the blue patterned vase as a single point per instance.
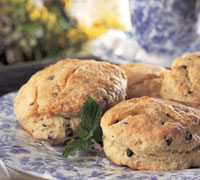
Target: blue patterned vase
(166, 27)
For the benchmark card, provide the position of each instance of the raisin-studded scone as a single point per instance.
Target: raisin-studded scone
(49, 104)
(143, 79)
(183, 82)
(152, 134)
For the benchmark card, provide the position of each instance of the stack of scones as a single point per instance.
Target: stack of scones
(151, 115)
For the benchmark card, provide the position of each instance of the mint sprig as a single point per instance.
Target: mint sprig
(89, 127)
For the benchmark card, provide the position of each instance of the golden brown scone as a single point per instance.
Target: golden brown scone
(49, 104)
(183, 82)
(194, 105)
(143, 79)
(152, 134)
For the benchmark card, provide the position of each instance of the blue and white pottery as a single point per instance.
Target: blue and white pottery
(161, 31)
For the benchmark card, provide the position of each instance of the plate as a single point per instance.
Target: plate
(20, 151)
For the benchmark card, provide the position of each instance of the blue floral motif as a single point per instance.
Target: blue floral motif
(20, 151)
(52, 170)
(24, 160)
(5, 126)
(164, 27)
(6, 106)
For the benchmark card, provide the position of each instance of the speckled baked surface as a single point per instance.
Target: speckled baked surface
(152, 134)
(48, 106)
(182, 82)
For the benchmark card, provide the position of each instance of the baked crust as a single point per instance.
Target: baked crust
(143, 79)
(53, 97)
(183, 82)
(157, 131)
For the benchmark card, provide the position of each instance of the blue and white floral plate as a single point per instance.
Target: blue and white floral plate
(20, 151)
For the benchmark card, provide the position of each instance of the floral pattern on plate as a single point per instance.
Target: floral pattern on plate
(20, 151)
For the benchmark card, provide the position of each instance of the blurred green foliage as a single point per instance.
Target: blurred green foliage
(37, 29)
(30, 31)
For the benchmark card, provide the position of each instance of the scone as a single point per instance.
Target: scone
(183, 82)
(152, 134)
(143, 79)
(48, 106)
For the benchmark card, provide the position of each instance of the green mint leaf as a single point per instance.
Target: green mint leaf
(76, 144)
(90, 118)
(82, 133)
(89, 127)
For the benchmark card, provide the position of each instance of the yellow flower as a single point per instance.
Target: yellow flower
(93, 31)
(75, 35)
(101, 25)
(108, 20)
(41, 13)
(44, 13)
(52, 18)
(29, 5)
(35, 14)
(67, 4)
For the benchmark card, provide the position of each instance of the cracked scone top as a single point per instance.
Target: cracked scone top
(48, 106)
(152, 134)
(143, 79)
(183, 82)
